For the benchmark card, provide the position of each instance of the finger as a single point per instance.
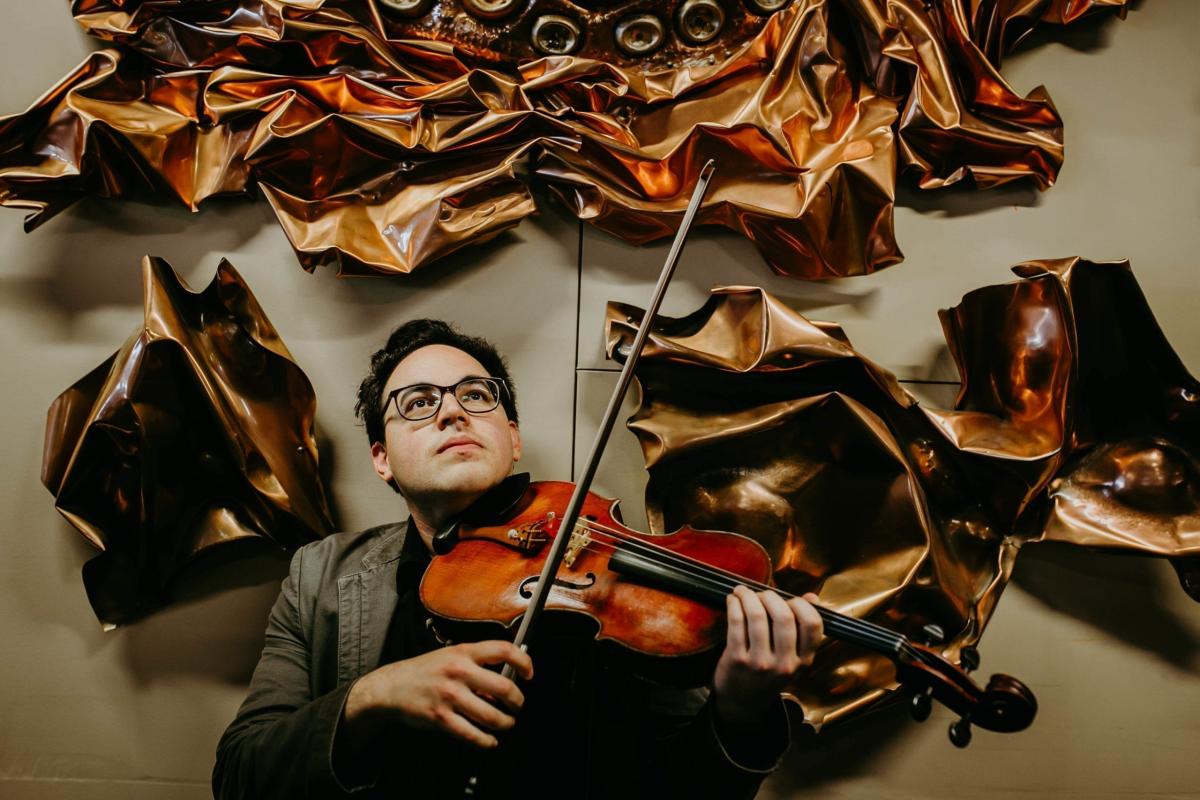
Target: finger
(494, 685)
(783, 626)
(814, 601)
(496, 651)
(480, 711)
(811, 627)
(735, 624)
(758, 629)
(458, 726)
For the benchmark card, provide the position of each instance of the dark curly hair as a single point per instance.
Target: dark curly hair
(410, 337)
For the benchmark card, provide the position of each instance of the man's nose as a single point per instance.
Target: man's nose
(450, 410)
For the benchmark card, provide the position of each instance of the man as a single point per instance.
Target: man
(355, 694)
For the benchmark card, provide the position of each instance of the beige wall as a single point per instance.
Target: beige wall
(1111, 645)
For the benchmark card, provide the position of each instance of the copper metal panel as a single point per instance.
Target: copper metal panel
(387, 133)
(1076, 422)
(197, 432)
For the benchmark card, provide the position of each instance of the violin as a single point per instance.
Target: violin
(661, 597)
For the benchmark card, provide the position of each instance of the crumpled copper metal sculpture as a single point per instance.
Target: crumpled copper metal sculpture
(196, 433)
(1076, 422)
(388, 133)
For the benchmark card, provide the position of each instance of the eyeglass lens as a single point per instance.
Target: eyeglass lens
(475, 395)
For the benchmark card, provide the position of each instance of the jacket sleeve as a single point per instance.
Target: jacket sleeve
(695, 758)
(280, 745)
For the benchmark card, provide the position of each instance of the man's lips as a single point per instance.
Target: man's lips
(458, 443)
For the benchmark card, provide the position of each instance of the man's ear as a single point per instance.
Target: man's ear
(515, 433)
(379, 460)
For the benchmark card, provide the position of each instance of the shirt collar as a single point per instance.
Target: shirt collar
(413, 551)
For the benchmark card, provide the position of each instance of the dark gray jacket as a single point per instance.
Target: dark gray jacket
(328, 627)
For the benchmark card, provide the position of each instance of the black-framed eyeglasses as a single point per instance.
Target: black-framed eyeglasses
(422, 400)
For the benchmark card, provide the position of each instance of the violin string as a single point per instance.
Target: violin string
(844, 628)
(722, 579)
(725, 580)
(716, 578)
(853, 629)
(695, 567)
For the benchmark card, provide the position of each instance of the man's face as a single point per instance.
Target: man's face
(452, 457)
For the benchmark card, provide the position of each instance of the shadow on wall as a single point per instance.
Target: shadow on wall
(212, 630)
(393, 290)
(215, 625)
(81, 277)
(963, 199)
(326, 470)
(844, 751)
(1124, 596)
(1087, 35)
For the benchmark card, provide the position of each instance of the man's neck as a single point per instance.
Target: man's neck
(429, 521)
(424, 528)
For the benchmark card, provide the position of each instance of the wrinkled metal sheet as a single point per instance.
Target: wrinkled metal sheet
(1076, 422)
(198, 432)
(387, 133)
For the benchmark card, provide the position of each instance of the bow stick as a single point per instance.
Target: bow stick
(571, 516)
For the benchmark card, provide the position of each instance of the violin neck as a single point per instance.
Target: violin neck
(694, 579)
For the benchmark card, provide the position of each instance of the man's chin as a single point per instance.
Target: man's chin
(470, 477)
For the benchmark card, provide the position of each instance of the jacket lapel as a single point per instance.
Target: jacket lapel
(366, 602)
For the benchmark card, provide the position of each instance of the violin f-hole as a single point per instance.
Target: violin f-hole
(526, 587)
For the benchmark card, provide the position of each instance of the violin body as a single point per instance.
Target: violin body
(489, 574)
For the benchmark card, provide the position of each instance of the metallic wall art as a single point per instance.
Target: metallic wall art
(388, 133)
(197, 432)
(1076, 422)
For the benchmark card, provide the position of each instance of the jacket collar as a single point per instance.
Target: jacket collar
(389, 546)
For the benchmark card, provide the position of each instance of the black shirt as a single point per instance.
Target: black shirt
(588, 729)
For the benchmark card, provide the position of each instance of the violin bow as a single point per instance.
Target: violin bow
(584, 483)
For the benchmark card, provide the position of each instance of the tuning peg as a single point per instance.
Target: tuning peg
(969, 658)
(960, 732)
(934, 635)
(921, 704)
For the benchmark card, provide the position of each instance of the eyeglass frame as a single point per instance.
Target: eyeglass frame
(392, 396)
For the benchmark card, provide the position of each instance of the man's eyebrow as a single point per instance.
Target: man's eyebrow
(431, 383)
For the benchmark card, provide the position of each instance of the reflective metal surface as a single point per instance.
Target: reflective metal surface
(433, 119)
(640, 34)
(196, 433)
(556, 35)
(1076, 422)
(700, 21)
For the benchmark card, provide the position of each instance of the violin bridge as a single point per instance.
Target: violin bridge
(579, 540)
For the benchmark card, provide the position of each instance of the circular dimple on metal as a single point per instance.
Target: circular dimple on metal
(556, 35)
(490, 9)
(766, 6)
(407, 8)
(700, 21)
(640, 34)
